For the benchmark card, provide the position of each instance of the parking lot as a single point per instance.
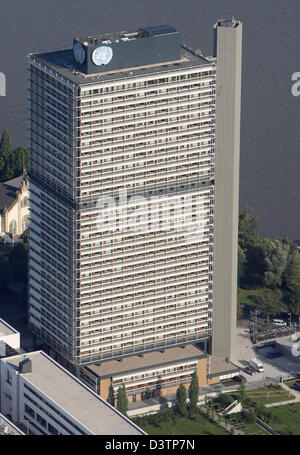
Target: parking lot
(274, 368)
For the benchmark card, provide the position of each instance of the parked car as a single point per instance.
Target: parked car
(279, 322)
(256, 365)
(249, 370)
(273, 355)
(239, 378)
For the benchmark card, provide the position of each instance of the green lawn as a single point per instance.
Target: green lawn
(244, 296)
(253, 428)
(275, 393)
(183, 426)
(289, 416)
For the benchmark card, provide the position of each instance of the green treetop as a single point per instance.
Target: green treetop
(194, 391)
(181, 400)
(270, 303)
(122, 400)
(12, 162)
(111, 396)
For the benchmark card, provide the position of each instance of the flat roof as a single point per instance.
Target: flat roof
(219, 366)
(6, 329)
(73, 396)
(62, 62)
(13, 429)
(156, 30)
(148, 360)
(142, 32)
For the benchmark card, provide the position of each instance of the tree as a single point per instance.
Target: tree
(242, 265)
(295, 303)
(181, 406)
(206, 400)
(247, 229)
(242, 393)
(20, 160)
(194, 391)
(270, 303)
(122, 400)
(275, 254)
(6, 151)
(240, 311)
(4, 273)
(111, 395)
(260, 410)
(292, 271)
(174, 420)
(12, 162)
(255, 266)
(252, 416)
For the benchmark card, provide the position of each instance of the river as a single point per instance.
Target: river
(270, 143)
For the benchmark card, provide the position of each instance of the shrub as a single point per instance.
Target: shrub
(225, 400)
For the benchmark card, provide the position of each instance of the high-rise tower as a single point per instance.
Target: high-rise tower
(228, 53)
(122, 195)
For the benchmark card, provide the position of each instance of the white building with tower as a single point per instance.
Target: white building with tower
(133, 195)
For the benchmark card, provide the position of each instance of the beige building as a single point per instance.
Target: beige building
(14, 206)
(156, 374)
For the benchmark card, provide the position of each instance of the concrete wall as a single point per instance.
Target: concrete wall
(214, 380)
(104, 387)
(202, 372)
(228, 46)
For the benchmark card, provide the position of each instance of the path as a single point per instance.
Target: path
(280, 403)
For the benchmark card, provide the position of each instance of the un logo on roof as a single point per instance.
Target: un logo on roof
(102, 55)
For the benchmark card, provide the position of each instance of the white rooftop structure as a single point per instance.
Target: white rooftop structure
(9, 335)
(6, 329)
(47, 382)
(8, 428)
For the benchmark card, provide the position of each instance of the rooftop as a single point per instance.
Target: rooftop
(8, 191)
(231, 23)
(6, 329)
(151, 359)
(219, 366)
(73, 396)
(62, 62)
(8, 428)
(109, 38)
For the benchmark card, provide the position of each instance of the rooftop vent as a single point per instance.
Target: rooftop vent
(25, 366)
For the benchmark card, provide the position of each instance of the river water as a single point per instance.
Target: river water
(270, 143)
